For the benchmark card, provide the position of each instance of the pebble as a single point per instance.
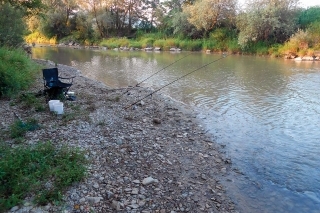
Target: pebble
(149, 180)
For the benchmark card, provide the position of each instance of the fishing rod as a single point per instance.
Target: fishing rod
(155, 73)
(177, 80)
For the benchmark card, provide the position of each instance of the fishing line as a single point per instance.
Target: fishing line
(177, 80)
(155, 73)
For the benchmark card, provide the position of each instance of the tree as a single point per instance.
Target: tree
(206, 14)
(182, 27)
(267, 20)
(57, 21)
(309, 16)
(12, 26)
(29, 7)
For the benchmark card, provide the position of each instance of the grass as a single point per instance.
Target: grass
(29, 100)
(19, 128)
(42, 171)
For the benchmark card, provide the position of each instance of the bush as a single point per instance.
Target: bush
(147, 42)
(42, 171)
(233, 46)
(17, 71)
(37, 37)
(191, 45)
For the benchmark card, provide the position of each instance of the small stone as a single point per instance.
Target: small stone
(116, 205)
(109, 194)
(96, 185)
(135, 191)
(74, 196)
(136, 181)
(149, 180)
(15, 208)
(134, 206)
(93, 200)
(82, 200)
(203, 176)
(156, 121)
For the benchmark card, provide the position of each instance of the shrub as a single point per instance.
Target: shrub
(110, 43)
(274, 50)
(191, 45)
(209, 44)
(159, 43)
(135, 44)
(37, 37)
(17, 71)
(168, 43)
(147, 42)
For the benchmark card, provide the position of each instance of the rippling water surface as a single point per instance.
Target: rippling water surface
(265, 111)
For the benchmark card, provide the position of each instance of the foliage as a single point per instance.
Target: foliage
(206, 14)
(309, 16)
(42, 170)
(37, 37)
(147, 42)
(272, 21)
(191, 45)
(182, 27)
(115, 43)
(314, 31)
(259, 47)
(17, 71)
(55, 25)
(29, 7)
(303, 42)
(12, 26)
(175, 23)
(83, 27)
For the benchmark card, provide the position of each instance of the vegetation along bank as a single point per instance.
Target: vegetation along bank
(277, 28)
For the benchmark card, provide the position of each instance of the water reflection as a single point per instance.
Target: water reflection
(265, 110)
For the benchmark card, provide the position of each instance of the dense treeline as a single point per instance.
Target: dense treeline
(260, 26)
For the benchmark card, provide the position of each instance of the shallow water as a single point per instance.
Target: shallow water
(265, 111)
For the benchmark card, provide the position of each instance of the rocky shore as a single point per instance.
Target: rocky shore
(151, 157)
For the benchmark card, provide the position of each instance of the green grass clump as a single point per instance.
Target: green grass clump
(42, 171)
(115, 43)
(18, 129)
(30, 100)
(17, 71)
(191, 45)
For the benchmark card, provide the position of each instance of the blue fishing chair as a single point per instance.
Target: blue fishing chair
(52, 84)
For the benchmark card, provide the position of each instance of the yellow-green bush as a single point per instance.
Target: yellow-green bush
(39, 38)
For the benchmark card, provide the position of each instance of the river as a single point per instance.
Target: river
(265, 113)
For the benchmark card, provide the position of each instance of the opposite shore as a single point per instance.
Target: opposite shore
(153, 157)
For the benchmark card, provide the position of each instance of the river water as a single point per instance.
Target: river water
(265, 112)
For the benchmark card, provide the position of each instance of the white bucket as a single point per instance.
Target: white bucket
(58, 108)
(51, 103)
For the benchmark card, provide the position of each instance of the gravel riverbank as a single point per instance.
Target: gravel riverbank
(153, 157)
